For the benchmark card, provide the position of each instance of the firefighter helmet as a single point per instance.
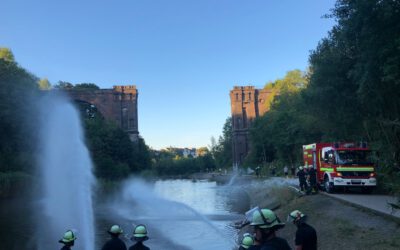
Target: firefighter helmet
(68, 237)
(266, 218)
(140, 233)
(295, 216)
(247, 241)
(115, 229)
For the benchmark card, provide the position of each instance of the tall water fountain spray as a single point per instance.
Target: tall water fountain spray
(66, 176)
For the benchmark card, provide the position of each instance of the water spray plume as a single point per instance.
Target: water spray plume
(65, 175)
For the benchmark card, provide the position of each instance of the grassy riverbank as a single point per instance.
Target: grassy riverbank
(339, 226)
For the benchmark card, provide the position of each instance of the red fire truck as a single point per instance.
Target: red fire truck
(341, 165)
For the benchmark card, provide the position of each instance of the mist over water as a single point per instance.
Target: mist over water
(65, 167)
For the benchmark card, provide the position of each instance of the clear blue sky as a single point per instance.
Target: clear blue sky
(183, 55)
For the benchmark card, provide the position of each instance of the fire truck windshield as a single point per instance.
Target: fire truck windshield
(353, 157)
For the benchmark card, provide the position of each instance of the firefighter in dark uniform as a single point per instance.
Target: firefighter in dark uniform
(266, 223)
(302, 179)
(115, 243)
(306, 236)
(312, 177)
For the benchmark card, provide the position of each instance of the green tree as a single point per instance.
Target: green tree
(294, 81)
(222, 151)
(369, 34)
(17, 121)
(279, 133)
(114, 155)
(202, 151)
(63, 85)
(86, 86)
(44, 84)
(6, 55)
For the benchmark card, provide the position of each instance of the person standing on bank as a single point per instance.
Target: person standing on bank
(286, 171)
(266, 223)
(306, 236)
(68, 240)
(139, 235)
(302, 179)
(312, 176)
(115, 243)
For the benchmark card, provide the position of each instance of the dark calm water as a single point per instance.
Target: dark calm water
(180, 214)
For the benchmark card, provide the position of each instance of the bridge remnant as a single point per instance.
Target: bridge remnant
(118, 104)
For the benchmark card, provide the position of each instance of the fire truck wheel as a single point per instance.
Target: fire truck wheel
(328, 186)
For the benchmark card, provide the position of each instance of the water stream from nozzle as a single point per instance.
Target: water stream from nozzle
(66, 176)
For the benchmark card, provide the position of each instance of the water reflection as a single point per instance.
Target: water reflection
(201, 195)
(182, 213)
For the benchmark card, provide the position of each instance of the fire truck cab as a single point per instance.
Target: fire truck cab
(341, 165)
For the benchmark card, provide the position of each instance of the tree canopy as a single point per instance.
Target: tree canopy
(222, 150)
(350, 92)
(6, 54)
(44, 84)
(17, 141)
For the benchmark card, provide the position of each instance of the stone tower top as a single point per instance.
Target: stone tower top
(128, 89)
(243, 88)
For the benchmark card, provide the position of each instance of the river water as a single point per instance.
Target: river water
(179, 214)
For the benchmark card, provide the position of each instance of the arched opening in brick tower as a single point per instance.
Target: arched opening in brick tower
(87, 110)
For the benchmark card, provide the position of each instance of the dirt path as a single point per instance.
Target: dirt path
(378, 203)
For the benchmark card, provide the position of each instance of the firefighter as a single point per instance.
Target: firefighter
(68, 240)
(139, 235)
(306, 236)
(247, 242)
(115, 243)
(312, 178)
(266, 223)
(302, 179)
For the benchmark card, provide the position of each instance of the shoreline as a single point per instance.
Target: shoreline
(339, 225)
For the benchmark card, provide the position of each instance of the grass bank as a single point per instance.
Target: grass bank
(339, 226)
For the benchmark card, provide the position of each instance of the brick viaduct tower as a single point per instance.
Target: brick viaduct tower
(118, 104)
(247, 103)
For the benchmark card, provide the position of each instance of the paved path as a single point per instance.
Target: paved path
(378, 203)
